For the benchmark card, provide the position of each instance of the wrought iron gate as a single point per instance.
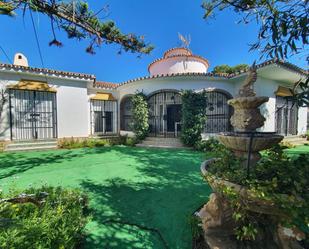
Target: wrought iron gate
(218, 112)
(104, 117)
(32, 114)
(165, 114)
(126, 114)
(286, 116)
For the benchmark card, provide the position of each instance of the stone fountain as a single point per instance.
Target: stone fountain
(216, 216)
(245, 120)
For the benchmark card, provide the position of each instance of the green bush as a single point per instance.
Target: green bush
(131, 141)
(1, 146)
(276, 177)
(74, 143)
(49, 218)
(140, 115)
(193, 116)
(208, 145)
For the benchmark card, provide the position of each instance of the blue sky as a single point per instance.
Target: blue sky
(221, 41)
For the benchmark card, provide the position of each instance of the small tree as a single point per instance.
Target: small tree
(140, 114)
(193, 116)
(230, 69)
(301, 93)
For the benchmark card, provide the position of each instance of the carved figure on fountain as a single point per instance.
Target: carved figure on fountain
(247, 115)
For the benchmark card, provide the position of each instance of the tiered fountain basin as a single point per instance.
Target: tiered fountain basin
(240, 141)
(254, 203)
(247, 102)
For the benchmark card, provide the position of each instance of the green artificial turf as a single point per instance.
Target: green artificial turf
(130, 189)
(299, 149)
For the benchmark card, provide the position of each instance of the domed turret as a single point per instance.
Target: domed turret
(178, 61)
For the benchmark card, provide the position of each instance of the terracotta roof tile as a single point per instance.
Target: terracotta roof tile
(45, 70)
(104, 84)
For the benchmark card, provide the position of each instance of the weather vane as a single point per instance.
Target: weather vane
(185, 40)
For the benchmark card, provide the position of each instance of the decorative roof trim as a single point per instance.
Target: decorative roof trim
(176, 48)
(276, 61)
(173, 75)
(4, 66)
(286, 65)
(105, 85)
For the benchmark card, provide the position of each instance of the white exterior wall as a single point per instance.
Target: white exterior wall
(4, 115)
(73, 98)
(176, 65)
(266, 87)
(73, 108)
(302, 121)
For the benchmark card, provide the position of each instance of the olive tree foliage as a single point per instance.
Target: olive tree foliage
(301, 93)
(283, 24)
(230, 69)
(79, 22)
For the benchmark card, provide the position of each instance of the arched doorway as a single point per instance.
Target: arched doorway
(126, 113)
(164, 113)
(218, 112)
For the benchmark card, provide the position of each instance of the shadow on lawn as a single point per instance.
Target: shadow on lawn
(15, 163)
(169, 190)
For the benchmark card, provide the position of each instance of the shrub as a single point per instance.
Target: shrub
(286, 145)
(1, 146)
(43, 218)
(131, 141)
(193, 116)
(140, 115)
(73, 143)
(208, 145)
(276, 177)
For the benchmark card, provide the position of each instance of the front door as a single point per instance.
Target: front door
(173, 117)
(32, 115)
(286, 116)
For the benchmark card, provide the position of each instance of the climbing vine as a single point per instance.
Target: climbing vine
(140, 115)
(193, 116)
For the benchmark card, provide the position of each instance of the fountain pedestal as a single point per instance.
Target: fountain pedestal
(245, 142)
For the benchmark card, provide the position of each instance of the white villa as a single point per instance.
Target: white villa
(42, 104)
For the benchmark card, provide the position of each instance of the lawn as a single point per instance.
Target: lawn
(133, 192)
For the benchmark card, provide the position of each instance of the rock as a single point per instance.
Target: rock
(286, 238)
(217, 223)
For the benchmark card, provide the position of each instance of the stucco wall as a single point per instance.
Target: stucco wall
(302, 121)
(4, 115)
(178, 65)
(73, 108)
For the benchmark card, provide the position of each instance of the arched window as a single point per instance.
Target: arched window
(218, 112)
(126, 113)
